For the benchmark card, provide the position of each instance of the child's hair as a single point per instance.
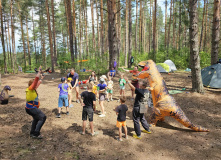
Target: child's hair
(89, 85)
(122, 99)
(94, 74)
(30, 82)
(122, 75)
(144, 83)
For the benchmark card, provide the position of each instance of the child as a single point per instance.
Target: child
(63, 97)
(109, 89)
(121, 118)
(89, 106)
(69, 92)
(102, 89)
(122, 85)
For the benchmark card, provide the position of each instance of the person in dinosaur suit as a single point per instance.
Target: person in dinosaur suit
(164, 104)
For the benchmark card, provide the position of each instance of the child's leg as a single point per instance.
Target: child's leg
(67, 109)
(111, 95)
(125, 130)
(59, 110)
(84, 126)
(108, 95)
(120, 92)
(92, 127)
(120, 133)
(69, 98)
(102, 106)
(123, 92)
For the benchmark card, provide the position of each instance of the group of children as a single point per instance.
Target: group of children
(95, 90)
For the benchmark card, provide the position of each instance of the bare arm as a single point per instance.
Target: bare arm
(76, 82)
(130, 85)
(126, 70)
(94, 105)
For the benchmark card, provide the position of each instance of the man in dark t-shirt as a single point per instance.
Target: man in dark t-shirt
(89, 106)
(141, 92)
(121, 118)
(74, 82)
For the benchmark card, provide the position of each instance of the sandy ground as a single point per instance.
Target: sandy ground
(169, 140)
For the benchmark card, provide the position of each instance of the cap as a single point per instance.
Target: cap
(102, 80)
(70, 79)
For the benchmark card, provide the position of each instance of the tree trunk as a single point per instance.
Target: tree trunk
(130, 33)
(92, 17)
(168, 41)
(150, 29)
(75, 36)
(29, 53)
(126, 35)
(174, 26)
(13, 37)
(22, 32)
(80, 27)
(140, 28)
(98, 35)
(7, 62)
(215, 32)
(67, 18)
(36, 57)
(201, 34)
(70, 30)
(102, 29)
(9, 39)
(112, 32)
(136, 26)
(50, 35)
(42, 29)
(165, 37)
(179, 39)
(85, 20)
(197, 84)
(205, 34)
(54, 33)
(154, 30)
(119, 32)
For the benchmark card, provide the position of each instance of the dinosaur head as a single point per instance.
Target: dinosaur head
(7, 88)
(147, 64)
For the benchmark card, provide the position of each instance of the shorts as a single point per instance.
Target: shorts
(120, 124)
(101, 97)
(135, 84)
(61, 99)
(112, 74)
(110, 91)
(87, 112)
(122, 87)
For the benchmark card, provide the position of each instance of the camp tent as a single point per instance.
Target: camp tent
(171, 64)
(163, 68)
(211, 76)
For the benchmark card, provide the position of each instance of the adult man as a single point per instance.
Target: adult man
(112, 73)
(141, 93)
(134, 82)
(74, 82)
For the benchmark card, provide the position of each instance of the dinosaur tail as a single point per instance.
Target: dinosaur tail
(180, 116)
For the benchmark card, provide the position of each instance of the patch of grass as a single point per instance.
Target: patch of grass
(71, 155)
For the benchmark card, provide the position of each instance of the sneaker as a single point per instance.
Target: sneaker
(31, 135)
(82, 133)
(119, 139)
(71, 106)
(37, 137)
(108, 100)
(111, 99)
(118, 100)
(58, 116)
(77, 101)
(67, 113)
(146, 131)
(94, 134)
(102, 115)
(126, 137)
(137, 137)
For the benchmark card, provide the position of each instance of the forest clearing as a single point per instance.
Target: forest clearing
(62, 140)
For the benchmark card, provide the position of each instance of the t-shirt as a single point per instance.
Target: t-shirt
(134, 80)
(112, 72)
(122, 82)
(121, 110)
(88, 98)
(63, 89)
(110, 84)
(102, 86)
(140, 93)
(74, 77)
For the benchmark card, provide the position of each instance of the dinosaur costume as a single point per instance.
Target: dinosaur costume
(164, 104)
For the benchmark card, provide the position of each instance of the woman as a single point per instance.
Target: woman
(32, 105)
(92, 77)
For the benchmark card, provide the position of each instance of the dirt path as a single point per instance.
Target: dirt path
(169, 139)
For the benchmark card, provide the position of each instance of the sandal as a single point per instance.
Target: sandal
(119, 139)
(94, 134)
(82, 133)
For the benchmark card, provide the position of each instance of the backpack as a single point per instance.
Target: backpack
(144, 102)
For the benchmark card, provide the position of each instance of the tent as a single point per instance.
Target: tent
(171, 64)
(163, 67)
(211, 76)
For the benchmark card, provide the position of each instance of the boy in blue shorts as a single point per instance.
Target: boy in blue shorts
(63, 97)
